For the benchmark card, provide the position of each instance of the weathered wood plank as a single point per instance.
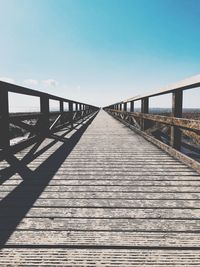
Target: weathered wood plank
(105, 238)
(113, 182)
(99, 257)
(112, 195)
(106, 188)
(84, 212)
(116, 177)
(112, 203)
(67, 224)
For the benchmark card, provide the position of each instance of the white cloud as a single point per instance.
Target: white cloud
(31, 82)
(7, 79)
(50, 82)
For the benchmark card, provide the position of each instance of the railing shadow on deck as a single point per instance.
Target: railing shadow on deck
(14, 206)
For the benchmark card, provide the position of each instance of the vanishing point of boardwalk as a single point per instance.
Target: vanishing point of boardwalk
(99, 196)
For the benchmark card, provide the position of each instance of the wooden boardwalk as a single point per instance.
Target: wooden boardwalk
(105, 197)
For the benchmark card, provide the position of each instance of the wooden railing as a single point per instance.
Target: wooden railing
(46, 121)
(146, 123)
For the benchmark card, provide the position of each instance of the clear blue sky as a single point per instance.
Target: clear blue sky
(99, 51)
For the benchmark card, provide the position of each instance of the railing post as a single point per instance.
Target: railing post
(61, 106)
(132, 106)
(44, 109)
(144, 109)
(4, 119)
(61, 111)
(120, 106)
(177, 109)
(125, 106)
(71, 113)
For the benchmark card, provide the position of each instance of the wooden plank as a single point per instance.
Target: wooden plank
(109, 203)
(95, 212)
(115, 178)
(106, 188)
(99, 257)
(118, 182)
(68, 224)
(111, 195)
(102, 238)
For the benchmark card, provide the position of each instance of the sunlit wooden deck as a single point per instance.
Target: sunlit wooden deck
(99, 196)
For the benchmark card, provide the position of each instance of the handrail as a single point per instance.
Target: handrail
(76, 111)
(192, 125)
(144, 121)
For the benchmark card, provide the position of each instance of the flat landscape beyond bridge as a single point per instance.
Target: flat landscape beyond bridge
(96, 193)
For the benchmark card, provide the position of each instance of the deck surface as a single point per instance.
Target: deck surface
(106, 198)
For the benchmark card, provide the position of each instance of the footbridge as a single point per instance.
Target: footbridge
(99, 187)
